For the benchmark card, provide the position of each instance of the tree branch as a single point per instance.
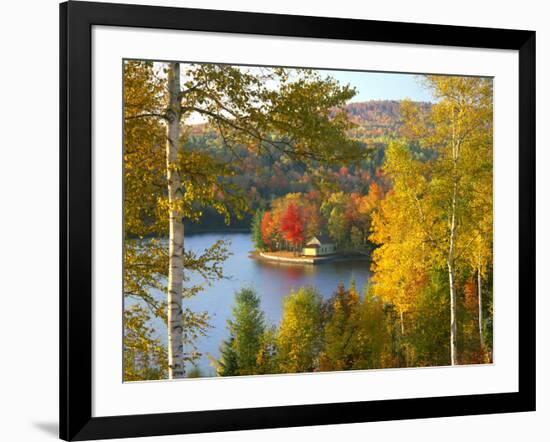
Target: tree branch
(147, 115)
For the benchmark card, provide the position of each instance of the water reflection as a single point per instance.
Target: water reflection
(272, 281)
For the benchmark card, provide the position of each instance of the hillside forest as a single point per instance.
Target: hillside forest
(287, 155)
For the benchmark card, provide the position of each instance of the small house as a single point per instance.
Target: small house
(319, 245)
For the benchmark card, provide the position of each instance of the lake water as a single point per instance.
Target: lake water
(272, 282)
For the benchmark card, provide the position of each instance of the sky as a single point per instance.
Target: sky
(369, 86)
(383, 86)
(377, 85)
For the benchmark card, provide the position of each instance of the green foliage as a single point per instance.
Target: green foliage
(342, 314)
(357, 332)
(195, 372)
(427, 326)
(438, 215)
(296, 119)
(266, 359)
(300, 332)
(227, 364)
(372, 342)
(345, 217)
(246, 336)
(283, 143)
(336, 225)
(145, 358)
(256, 228)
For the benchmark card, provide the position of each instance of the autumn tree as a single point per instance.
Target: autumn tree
(299, 339)
(367, 206)
(401, 261)
(332, 209)
(372, 342)
(480, 225)
(145, 357)
(428, 332)
(292, 226)
(340, 328)
(268, 231)
(146, 261)
(266, 358)
(432, 201)
(313, 221)
(291, 112)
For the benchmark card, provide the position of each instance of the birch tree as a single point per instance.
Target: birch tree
(462, 138)
(147, 206)
(295, 112)
(175, 220)
(435, 193)
(480, 254)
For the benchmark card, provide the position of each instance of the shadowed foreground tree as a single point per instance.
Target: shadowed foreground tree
(342, 323)
(295, 112)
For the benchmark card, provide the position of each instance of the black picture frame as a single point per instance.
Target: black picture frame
(76, 21)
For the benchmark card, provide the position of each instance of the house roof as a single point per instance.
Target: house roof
(322, 238)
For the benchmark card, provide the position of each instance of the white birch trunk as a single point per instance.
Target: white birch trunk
(451, 265)
(452, 293)
(176, 367)
(452, 281)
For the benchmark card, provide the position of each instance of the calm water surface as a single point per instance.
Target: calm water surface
(271, 281)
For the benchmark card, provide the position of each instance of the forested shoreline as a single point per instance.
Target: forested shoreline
(409, 183)
(352, 330)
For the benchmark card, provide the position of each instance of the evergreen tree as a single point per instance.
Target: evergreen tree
(227, 364)
(195, 372)
(246, 333)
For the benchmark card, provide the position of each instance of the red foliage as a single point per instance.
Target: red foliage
(344, 170)
(470, 295)
(292, 224)
(267, 228)
(314, 196)
(365, 176)
(351, 213)
(375, 192)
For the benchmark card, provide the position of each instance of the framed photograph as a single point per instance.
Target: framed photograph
(272, 221)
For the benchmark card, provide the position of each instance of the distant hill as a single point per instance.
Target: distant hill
(374, 113)
(378, 112)
(267, 177)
